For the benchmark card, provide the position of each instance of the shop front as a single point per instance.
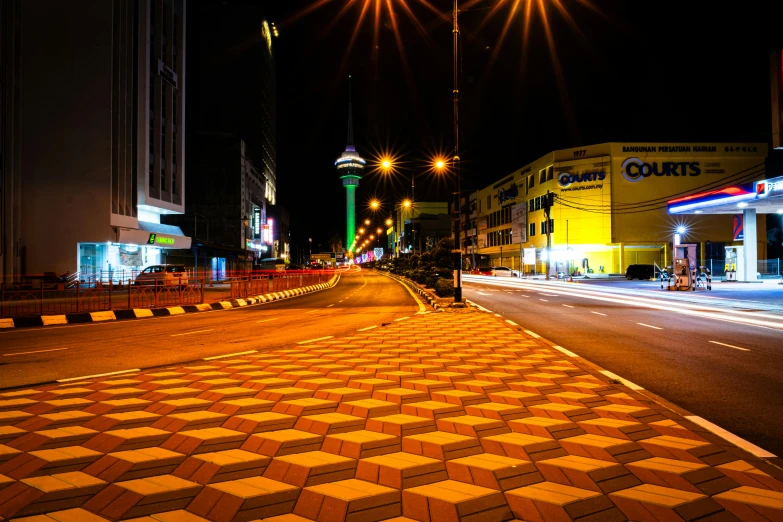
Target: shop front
(133, 250)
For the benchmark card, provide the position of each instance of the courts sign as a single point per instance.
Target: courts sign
(565, 179)
(634, 169)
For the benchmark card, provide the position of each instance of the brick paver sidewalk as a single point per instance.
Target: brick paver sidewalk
(441, 417)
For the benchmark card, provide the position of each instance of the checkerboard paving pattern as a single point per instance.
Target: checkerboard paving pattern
(443, 417)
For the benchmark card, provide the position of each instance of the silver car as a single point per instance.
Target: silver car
(163, 275)
(504, 271)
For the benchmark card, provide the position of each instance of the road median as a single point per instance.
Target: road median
(144, 313)
(398, 419)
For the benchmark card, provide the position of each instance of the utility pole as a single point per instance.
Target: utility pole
(547, 207)
(457, 251)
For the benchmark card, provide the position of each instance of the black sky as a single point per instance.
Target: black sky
(682, 70)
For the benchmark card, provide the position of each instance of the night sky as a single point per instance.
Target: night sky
(630, 71)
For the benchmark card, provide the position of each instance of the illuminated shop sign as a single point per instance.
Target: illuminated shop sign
(564, 179)
(157, 239)
(770, 187)
(508, 193)
(634, 169)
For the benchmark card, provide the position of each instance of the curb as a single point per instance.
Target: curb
(144, 313)
(423, 293)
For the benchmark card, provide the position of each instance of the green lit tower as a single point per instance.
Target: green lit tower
(350, 167)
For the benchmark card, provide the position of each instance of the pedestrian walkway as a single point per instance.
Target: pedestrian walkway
(439, 417)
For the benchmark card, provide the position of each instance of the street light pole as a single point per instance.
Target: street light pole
(457, 251)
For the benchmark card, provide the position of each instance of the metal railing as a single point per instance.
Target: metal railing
(95, 297)
(263, 283)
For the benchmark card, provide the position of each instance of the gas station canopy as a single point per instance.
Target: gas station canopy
(765, 197)
(759, 197)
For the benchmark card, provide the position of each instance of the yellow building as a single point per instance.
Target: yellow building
(609, 205)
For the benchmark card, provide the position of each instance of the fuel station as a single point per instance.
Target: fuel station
(744, 202)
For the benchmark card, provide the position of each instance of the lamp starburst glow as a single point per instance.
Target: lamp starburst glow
(407, 203)
(375, 204)
(389, 222)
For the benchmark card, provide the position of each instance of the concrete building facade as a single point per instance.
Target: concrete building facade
(609, 205)
(97, 135)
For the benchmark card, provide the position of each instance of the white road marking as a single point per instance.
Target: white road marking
(730, 346)
(482, 293)
(190, 333)
(331, 305)
(316, 339)
(597, 313)
(650, 326)
(311, 311)
(626, 382)
(567, 352)
(229, 355)
(121, 372)
(734, 439)
(549, 295)
(545, 300)
(402, 318)
(36, 351)
(367, 328)
(532, 334)
(523, 295)
(568, 306)
(267, 320)
(512, 323)
(341, 300)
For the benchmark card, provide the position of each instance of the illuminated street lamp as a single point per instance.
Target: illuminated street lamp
(361, 231)
(367, 222)
(375, 204)
(389, 222)
(378, 230)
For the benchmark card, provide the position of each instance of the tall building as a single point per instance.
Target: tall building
(231, 135)
(101, 120)
(350, 167)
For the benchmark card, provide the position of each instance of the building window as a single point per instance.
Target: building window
(538, 203)
(531, 181)
(541, 176)
(552, 226)
(532, 229)
(489, 201)
(550, 173)
(532, 205)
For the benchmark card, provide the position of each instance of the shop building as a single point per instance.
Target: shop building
(416, 226)
(102, 123)
(609, 205)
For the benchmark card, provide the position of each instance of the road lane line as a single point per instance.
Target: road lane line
(734, 439)
(367, 328)
(120, 372)
(650, 326)
(402, 318)
(523, 295)
(216, 357)
(730, 346)
(597, 313)
(311, 311)
(331, 305)
(316, 339)
(568, 306)
(567, 352)
(36, 351)
(267, 320)
(545, 300)
(479, 306)
(512, 323)
(190, 333)
(532, 334)
(482, 293)
(549, 295)
(626, 382)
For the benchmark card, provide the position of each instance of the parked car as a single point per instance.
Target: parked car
(162, 275)
(504, 271)
(482, 271)
(640, 272)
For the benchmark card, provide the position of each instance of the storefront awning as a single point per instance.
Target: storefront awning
(154, 234)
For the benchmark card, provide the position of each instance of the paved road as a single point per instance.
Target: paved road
(675, 356)
(359, 300)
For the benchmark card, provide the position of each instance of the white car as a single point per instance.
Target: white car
(163, 275)
(504, 271)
